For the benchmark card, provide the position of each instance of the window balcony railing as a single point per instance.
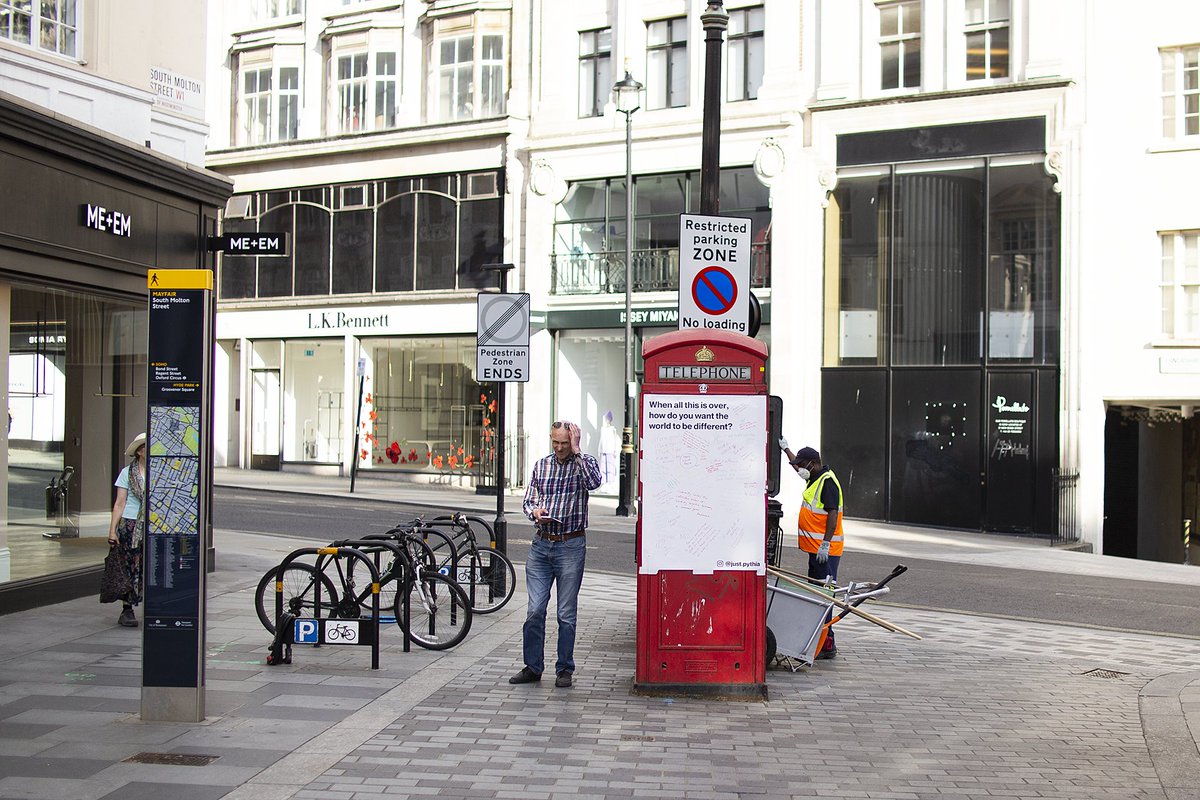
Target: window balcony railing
(655, 270)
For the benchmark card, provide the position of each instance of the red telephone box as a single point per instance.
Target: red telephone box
(701, 535)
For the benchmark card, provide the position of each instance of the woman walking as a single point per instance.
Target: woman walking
(128, 525)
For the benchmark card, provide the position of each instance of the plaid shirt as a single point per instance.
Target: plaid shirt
(562, 489)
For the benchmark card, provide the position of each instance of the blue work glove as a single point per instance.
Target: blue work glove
(823, 553)
(783, 443)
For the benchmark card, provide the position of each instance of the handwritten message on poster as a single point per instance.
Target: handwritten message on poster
(704, 478)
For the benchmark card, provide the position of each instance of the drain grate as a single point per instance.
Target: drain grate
(1104, 673)
(172, 759)
(625, 737)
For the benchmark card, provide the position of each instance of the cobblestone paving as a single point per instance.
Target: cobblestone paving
(982, 708)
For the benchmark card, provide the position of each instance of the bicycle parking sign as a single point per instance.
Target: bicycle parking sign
(332, 631)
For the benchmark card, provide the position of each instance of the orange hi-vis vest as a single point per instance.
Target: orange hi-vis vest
(813, 515)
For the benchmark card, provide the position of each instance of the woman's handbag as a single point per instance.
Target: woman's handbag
(115, 583)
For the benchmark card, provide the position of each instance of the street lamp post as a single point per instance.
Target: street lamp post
(627, 94)
(714, 20)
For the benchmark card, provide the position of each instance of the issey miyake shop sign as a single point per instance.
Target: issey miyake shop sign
(106, 220)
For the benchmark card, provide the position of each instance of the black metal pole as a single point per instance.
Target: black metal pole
(357, 425)
(500, 526)
(625, 488)
(715, 21)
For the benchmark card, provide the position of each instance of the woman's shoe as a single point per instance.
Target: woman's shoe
(127, 618)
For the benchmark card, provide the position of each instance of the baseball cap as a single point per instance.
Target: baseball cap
(806, 454)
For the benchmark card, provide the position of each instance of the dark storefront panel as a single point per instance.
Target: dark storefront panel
(1011, 451)
(942, 141)
(935, 447)
(853, 430)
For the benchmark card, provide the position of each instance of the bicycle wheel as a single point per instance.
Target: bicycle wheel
(299, 594)
(488, 579)
(440, 613)
(360, 578)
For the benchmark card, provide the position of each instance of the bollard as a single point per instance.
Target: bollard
(1187, 541)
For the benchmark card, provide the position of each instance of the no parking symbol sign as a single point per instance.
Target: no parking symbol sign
(714, 272)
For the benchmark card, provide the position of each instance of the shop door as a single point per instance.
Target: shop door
(264, 419)
(1011, 454)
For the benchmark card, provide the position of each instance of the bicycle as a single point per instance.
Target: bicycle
(483, 572)
(440, 613)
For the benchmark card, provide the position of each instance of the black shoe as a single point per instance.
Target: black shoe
(563, 680)
(828, 652)
(127, 619)
(526, 675)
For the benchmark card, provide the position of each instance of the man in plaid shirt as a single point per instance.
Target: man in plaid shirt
(557, 502)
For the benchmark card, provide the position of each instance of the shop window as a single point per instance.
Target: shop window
(468, 66)
(900, 45)
(74, 358)
(908, 256)
(1180, 92)
(746, 53)
(429, 413)
(595, 71)
(1180, 285)
(987, 30)
(51, 26)
(666, 63)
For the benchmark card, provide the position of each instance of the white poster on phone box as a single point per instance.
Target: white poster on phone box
(704, 482)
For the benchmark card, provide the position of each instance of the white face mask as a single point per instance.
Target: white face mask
(803, 473)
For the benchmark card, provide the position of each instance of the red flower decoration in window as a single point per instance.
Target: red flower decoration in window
(393, 452)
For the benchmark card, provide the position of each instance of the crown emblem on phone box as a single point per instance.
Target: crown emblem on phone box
(704, 354)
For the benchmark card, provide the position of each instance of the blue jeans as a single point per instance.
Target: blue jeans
(821, 572)
(561, 563)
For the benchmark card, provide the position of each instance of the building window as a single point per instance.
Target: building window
(900, 45)
(455, 77)
(589, 230)
(396, 235)
(385, 90)
(469, 69)
(54, 22)
(274, 9)
(269, 107)
(745, 53)
(352, 92)
(987, 31)
(666, 63)
(1181, 92)
(1181, 284)
(595, 71)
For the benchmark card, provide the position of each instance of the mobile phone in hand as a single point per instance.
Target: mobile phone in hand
(547, 520)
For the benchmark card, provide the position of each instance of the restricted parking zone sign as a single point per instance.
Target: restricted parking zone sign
(714, 272)
(502, 337)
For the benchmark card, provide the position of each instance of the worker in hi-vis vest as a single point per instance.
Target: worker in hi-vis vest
(820, 524)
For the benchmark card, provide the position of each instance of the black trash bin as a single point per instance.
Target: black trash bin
(56, 505)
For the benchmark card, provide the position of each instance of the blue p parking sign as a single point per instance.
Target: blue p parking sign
(306, 631)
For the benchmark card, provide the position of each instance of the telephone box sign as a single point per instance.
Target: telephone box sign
(714, 272)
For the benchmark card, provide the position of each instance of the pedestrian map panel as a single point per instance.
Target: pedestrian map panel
(174, 431)
(174, 496)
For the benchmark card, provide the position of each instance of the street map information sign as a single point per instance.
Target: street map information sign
(502, 338)
(714, 272)
(175, 502)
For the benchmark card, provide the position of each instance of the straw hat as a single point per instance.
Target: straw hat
(137, 442)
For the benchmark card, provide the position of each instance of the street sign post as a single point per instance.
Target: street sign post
(714, 272)
(502, 338)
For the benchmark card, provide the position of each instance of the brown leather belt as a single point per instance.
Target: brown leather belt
(560, 537)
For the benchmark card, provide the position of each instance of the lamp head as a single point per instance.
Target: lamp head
(627, 94)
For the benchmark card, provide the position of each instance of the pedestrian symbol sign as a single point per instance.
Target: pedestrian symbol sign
(714, 272)
(502, 337)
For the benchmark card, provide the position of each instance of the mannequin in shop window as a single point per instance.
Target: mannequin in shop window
(610, 452)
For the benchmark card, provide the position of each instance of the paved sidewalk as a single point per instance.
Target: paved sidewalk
(982, 708)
